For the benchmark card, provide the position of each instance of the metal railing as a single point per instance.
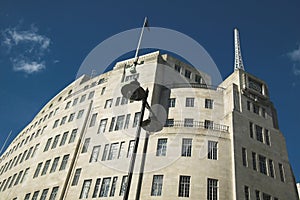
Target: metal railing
(197, 124)
(194, 85)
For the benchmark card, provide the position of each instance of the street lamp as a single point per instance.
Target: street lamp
(135, 92)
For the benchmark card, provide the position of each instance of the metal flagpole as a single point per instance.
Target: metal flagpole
(139, 43)
(5, 142)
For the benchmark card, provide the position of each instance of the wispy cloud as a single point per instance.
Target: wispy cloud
(295, 55)
(296, 70)
(26, 48)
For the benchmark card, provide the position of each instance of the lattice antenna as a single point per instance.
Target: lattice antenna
(238, 61)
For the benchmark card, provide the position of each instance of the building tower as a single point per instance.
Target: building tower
(218, 142)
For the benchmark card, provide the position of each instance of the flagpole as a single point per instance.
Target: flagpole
(139, 43)
(5, 142)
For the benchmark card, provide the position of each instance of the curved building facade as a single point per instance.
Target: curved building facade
(217, 143)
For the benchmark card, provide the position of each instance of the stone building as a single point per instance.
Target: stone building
(218, 142)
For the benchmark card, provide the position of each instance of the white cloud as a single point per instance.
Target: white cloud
(28, 67)
(296, 71)
(295, 55)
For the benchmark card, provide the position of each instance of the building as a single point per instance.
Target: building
(218, 142)
(298, 188)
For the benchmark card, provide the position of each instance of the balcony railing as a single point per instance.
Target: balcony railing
(197, 124)
(194, 85)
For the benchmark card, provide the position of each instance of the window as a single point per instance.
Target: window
(198, 79)
(117, 101)
(130, 148)
(55, 141)
(257, 195)
(93, 120)
(209, 103)
(263, 112)
(121, 153)
(73, 136)
(35, 195)
(86, 145)
(24, 175)
(251, 129)
(96, 188)
(105, 187)
(68, 105)
(113, 152)
(56, 123)
(212, 150)
(28, 155)
(281, 172)
(247, 193)
(188, 122)
(46, 166)
(76, 177)
(12, 181)
(254, 161)
(71, 117)
(177, 68)
(82, 98)
(169, 123)
(186, 150)
(37, 170)
(80, 113)
(212, 189)
(64, 162)
(172, 102)
(113, 186)
(27, 196)
(208, 124)
(271, 168)
(112, 124)
(53, 193)
(44, 194)
(108, 103)
(119, 123)
(187, 73)
(103, 90)
(124, 100)
(189, 102)
(95, 154)
(267, 137)
(136, 119)
(123, 185)
(75, 102)
(262, 164)
(256, 109)
(63, 120)
(47, 144)
(33, 153)
(91, 94)
(105, 151)
(248, 105)
(184, 186)
(161, 149)
(18, 178)
(244, 157)
(64, 138)
(102, 126)
(127, 121)
(259, 134)
(54, 164)
(157, 184)
(266, 196)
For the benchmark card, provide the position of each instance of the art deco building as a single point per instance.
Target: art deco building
(218, 142)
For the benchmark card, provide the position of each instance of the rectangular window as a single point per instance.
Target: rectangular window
(82, 98)
(123, 185)
(188, 122)
(124, 100)
(112, 124)
(35, 195)
(113, 152)
(212, 150)
(86, 145)
(186, 149)
(55, 141)
(189, 102)
(136, 119)
(212, 189)
(198, 79)
(267, 137)
(117, 101)
(63, 120)
(71, 117)
(161, 149)
(244, 157)
(263, 112)
(262, 164)
(73, 136)
(95, 154)
(37, 170)
(93, 119)
(85, 189)
(105, 187)
(127, 121)
(80, 113)
(68, 105)
(27, 196)
(64, 162)
(91, 94)
(251, 129)
(96, 188)
(248, 105)
(18, 178)
(54, 165)
(24, 175)
(55, 123)
(46, 166)
(209, 103)
(187, 73)
(105, 152)
(102, 126)
(121, 153)
(12, 181)
(119, 123)
(47, 144)
(208, 124)
(157, 184)
(266, 196)
(254, 165)
(257, 194)
(75, 102)
(184, 186)
(177, 68)
(64, 138)
(130, 148)
(108, 103)
(169, 123)
(172, 102)
(281, 172)
(256, 109)
(247, 193)
(271, 168)
(259, 134)
(113, 186)
(76, 177)
(44, 194)
(29, 153)
(103, 90)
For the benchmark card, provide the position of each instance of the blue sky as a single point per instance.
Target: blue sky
(43, 43)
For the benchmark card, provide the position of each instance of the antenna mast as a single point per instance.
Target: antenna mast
(238, 61)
